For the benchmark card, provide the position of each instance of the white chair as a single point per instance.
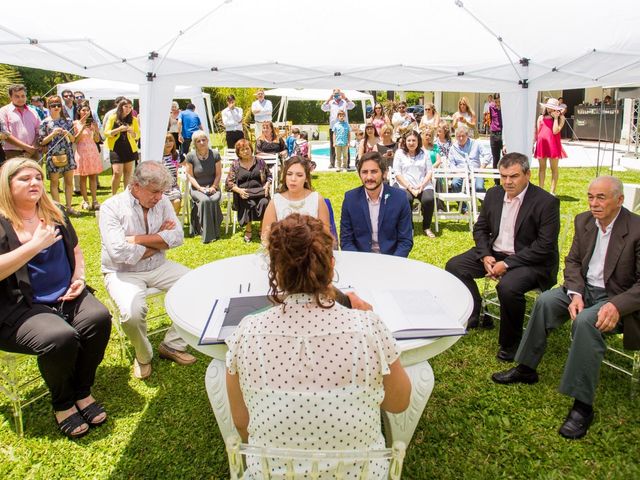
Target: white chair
(447, 196)
(627, 362)
(391, 176)
(273, 164)
(230, 216)
(185, 188)
(282, 463)
(484, 173)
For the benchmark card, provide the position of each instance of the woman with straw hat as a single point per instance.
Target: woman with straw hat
(548, 144)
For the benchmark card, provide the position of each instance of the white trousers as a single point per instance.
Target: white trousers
(128, 290)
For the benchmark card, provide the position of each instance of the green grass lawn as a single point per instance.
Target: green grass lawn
(471, 428)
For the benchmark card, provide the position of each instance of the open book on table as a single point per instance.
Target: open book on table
(412, 313)
(407, 313)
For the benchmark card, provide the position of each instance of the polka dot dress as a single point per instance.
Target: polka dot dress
(311, 377)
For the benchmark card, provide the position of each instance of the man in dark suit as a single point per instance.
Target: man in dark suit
(601, 293)
(516, 239)
(376, 217)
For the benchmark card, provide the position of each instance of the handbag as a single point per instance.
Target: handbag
(60, 161)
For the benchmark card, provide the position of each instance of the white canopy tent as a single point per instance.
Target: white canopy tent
(298, 94)
(515, 48)
(96, 89)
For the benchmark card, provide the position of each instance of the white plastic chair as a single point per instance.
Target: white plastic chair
(230, 216)
(484, 173)
(185, 188)
(18, 376)
(447, 196)
(281, 463)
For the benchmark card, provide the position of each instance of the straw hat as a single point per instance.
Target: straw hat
(552, 104)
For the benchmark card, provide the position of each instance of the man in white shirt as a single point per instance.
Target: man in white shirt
(337, 102)
(262, 110)
(516, 241)
(137, 226)
(601, 293)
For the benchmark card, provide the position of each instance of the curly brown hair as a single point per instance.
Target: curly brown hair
(301, 259)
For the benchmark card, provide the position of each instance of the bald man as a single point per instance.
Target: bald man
(601, 294)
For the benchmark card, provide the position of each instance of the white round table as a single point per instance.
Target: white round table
(189, 303)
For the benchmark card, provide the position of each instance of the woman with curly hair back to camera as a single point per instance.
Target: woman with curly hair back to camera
(343, 364)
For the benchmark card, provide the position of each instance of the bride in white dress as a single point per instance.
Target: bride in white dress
(295, 196)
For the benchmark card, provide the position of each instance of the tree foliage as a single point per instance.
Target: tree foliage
(8, 76)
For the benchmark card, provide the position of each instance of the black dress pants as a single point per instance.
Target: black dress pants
(511, 289)
(496, 144)
(427, 203)
(69, 350)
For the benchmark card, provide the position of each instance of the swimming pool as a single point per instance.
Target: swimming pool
(323, 151)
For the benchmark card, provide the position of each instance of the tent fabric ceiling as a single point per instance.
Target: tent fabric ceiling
(442, 45)
(317, 44)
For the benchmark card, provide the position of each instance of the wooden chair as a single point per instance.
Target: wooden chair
(21, 382)
(285, 463)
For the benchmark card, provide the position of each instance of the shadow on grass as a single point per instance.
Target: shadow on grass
(176, 435)
(111, 389)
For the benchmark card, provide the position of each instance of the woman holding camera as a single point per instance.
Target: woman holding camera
(123, 132)
(87, 154)
(56, 135)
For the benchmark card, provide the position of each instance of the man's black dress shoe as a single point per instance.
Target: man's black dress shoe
(576, 425)
(487, 322)
(513, 375)
(507, 354)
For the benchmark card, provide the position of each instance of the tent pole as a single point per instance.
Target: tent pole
(599, 132)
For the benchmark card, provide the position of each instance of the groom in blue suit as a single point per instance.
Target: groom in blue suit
(376, 217)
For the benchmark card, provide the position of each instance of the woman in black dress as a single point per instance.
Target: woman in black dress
(250, 181)
(123, 132)
(270, 142)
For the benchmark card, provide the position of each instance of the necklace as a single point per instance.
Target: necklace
(30, 220)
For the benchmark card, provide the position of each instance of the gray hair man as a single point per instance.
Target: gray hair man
(137, 227)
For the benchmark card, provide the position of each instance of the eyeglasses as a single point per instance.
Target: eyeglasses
(428, 110)
(67, 95)
(202, 140)
(79, 97)
(55, 105)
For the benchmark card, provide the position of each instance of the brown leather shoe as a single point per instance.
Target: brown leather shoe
(181, 358)
(141, 370)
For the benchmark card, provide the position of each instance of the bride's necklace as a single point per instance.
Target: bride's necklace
(297, 204)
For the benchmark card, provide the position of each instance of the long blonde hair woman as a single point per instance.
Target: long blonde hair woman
(45, 309)
(465, 116)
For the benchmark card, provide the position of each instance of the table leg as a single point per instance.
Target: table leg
(216, 385)
(400, 426)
